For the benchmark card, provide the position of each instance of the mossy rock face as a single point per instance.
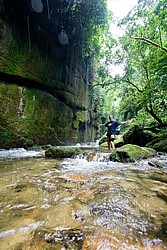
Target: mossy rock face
(62, 152)
(28, 116)
(158, 144)
(132, 153)
(136, 135)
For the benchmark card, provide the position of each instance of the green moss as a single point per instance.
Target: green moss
(9, 101)
(104, 145)
(42, 121)
(17, 57)
(136, 135)
(61, 152)
(131, 153)
(15, 63)
(9, 118)
(160, 145)
(118, 142)
(23, 62)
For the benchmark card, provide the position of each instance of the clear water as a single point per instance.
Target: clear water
(80, 204)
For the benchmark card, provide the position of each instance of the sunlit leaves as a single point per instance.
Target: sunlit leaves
(144, 47)
(152, 59)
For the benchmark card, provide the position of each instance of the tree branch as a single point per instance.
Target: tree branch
(150, 43)
(151, 112)
(164, 125)
(128, 81)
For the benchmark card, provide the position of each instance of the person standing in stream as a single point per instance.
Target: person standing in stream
(111, 134)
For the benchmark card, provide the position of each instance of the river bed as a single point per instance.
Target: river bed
(75, 204)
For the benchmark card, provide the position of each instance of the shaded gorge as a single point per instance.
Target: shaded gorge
(80, 204)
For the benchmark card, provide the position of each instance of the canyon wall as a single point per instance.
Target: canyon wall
(45, 86)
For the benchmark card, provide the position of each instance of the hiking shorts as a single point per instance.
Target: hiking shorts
(111, 137)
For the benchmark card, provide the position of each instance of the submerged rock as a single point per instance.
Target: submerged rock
(156, 164)
(131, 153)
(62, 152)
(85, 195)
(114, 241)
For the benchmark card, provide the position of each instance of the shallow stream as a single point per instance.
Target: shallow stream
(75, 204)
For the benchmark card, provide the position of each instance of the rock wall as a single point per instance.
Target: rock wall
(44, 86)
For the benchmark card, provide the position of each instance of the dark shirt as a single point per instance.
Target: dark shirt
(112, 127)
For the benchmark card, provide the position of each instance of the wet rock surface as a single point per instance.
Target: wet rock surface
(131, 153)
(62, 152)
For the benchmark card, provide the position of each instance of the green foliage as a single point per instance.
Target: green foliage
(143, 87)
(90, 20)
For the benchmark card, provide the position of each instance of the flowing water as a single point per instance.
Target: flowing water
(83, 204)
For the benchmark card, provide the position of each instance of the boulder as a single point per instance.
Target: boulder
(131, 153)
(103, 140)
(136, 135)
(62, 152)
(157, 164)
(158, 144)
(119, 141)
